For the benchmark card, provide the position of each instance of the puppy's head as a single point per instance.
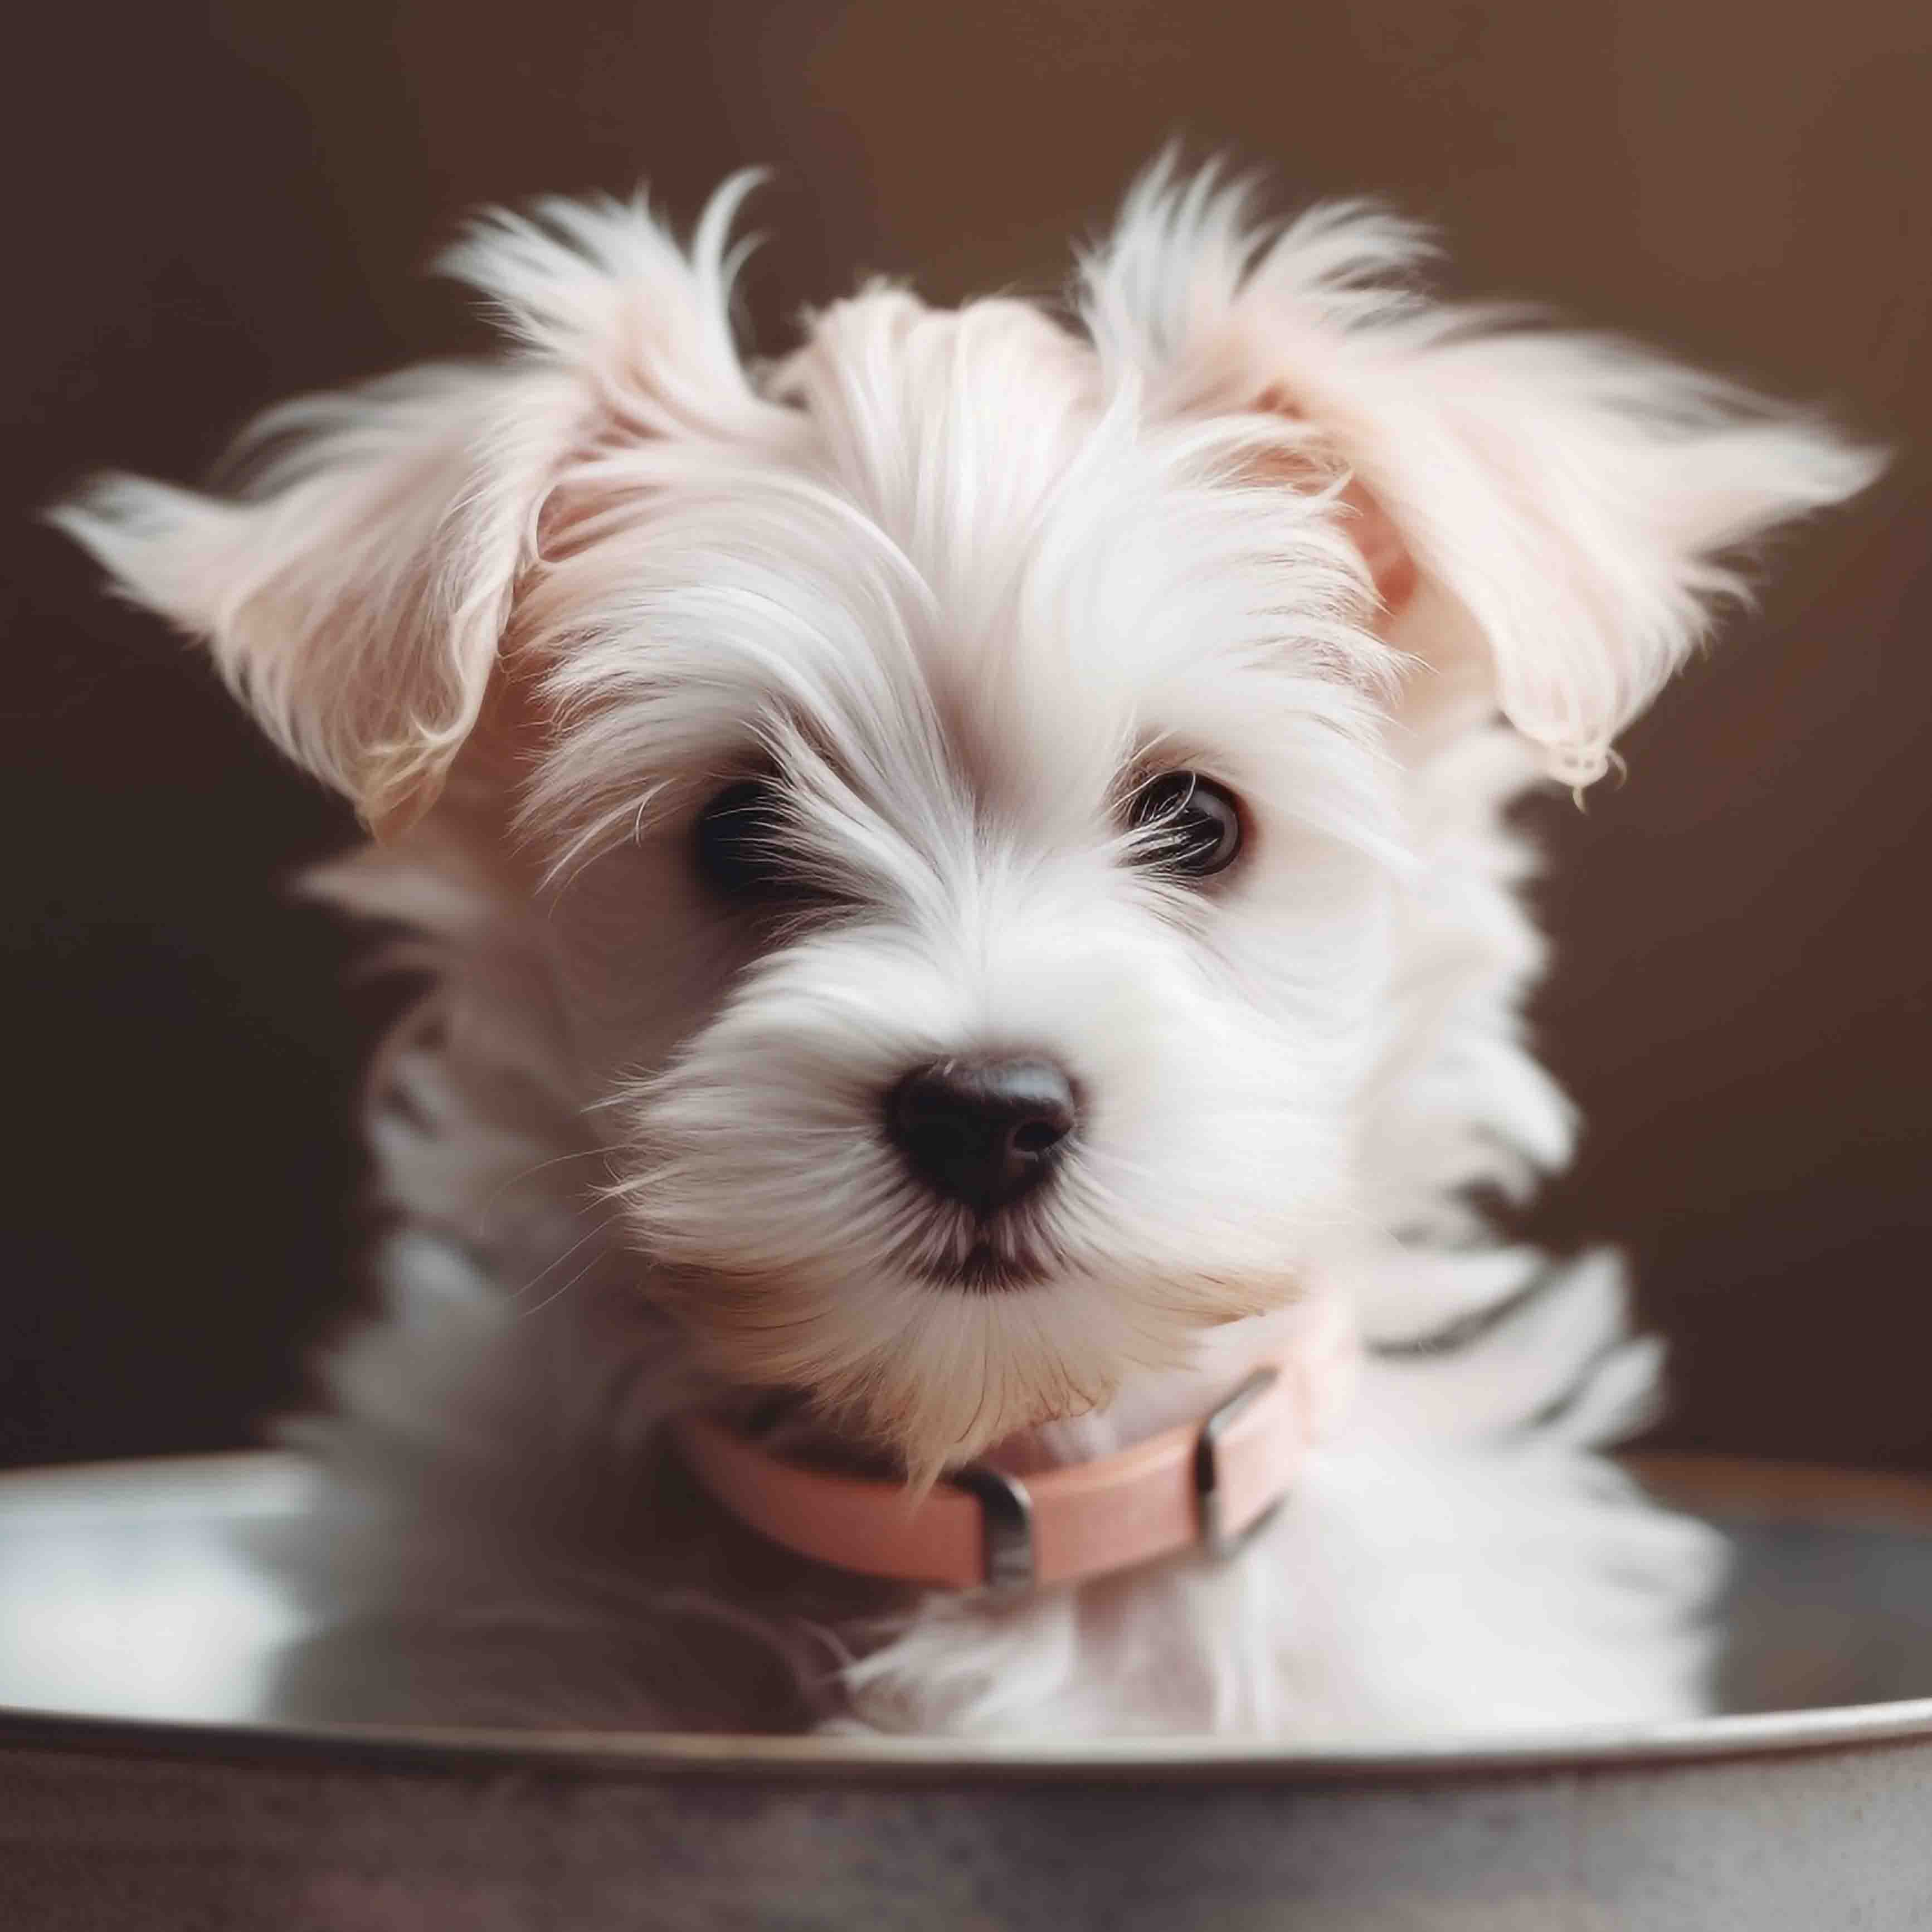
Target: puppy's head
(964, 773)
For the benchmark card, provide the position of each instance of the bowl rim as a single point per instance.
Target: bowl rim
(656, 1756)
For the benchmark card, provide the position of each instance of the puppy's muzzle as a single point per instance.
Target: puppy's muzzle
(983, 1132)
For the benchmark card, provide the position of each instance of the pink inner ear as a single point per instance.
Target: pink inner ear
(1370, 527)
(1374, 534)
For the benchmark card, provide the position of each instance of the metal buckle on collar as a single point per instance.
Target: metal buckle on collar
(1006, 1511)
(1214, 1537)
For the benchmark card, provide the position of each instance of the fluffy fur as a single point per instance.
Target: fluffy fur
(959, 579)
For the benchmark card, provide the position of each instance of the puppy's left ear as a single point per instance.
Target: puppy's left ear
(356, 590)
(1550, 519)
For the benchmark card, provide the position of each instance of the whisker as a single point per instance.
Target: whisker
(556, 1261)
(555, 1160)
(558, 1294)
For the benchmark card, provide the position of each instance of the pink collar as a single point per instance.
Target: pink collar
(1207, 1484)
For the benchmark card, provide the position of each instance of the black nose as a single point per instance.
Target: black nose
(981, 1132)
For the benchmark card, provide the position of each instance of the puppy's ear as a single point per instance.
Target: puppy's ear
(355, 589)
(1550, 519)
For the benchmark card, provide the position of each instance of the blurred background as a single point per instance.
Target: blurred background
(212, 206)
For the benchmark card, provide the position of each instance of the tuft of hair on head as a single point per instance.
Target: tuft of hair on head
(355, 589)
(1553, 519)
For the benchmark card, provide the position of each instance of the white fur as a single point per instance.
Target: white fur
(958, 576)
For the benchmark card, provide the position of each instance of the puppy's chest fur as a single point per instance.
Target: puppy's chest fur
(504, 1535)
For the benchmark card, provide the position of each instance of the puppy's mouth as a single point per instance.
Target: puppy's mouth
(982, 1270)
(985, 1254)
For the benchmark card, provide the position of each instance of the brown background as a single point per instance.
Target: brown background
(212, 208)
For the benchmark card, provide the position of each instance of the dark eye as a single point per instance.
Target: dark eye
(1186, 824)
(739, 833)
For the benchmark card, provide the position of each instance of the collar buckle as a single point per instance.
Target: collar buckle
(1210, 1498)
(1006, 1516)
(1010, 1564)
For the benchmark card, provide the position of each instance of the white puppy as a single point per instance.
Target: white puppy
(962, 882)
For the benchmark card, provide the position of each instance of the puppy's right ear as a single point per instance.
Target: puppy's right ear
(356, 590)
(1551, 521)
